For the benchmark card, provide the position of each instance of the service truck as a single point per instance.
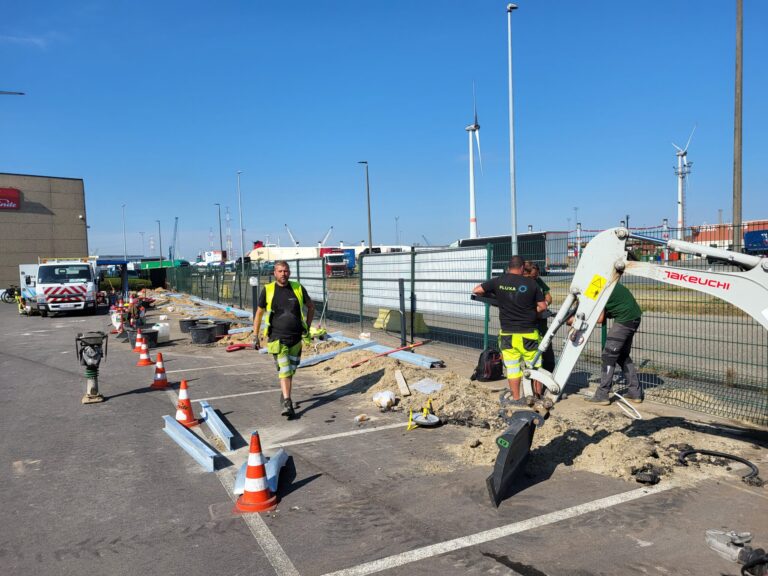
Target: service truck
(65, 285)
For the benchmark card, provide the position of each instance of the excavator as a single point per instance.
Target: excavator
(603, 262)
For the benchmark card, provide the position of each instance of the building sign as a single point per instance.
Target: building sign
(10, 199)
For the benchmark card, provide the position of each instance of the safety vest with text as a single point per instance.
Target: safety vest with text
(270, 294)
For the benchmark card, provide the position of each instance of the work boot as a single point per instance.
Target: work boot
(599, 398)
(288, 410)
(634, 397)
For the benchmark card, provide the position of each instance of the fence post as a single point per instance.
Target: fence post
(413, 289)
(362, 257)
(401, 290)
(325, 294)
(488, 262)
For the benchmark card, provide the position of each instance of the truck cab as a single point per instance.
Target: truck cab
(66, 286)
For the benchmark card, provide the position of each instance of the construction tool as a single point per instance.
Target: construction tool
(427, 417)
(602, 263)
(388, 352)
(236, 347)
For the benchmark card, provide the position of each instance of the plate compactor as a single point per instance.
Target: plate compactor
(601, 265)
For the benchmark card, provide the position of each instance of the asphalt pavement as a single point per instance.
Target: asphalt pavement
(101, 489)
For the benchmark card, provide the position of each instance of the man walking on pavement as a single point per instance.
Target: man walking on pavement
(520, 300)
(286, 327)
(626, 314)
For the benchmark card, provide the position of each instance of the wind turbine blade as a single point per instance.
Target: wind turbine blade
(474, 102)
(691, 136)
(479, 154)
(677, 147)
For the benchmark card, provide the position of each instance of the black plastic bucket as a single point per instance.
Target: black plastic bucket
(222, 327)
(131, 333)
(186, 323)
(203, 333)
(150, 337)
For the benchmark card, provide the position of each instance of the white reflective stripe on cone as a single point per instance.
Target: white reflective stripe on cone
(255, 459)
(255, 484)
(180, 415)
(183, 394)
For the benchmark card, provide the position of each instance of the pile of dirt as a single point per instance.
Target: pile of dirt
(576, 434)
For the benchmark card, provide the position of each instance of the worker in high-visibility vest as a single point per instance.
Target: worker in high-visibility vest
(289, 311)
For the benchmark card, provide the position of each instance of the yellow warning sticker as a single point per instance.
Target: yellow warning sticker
(595, 287)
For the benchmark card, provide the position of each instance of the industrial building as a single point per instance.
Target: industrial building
(40, 216)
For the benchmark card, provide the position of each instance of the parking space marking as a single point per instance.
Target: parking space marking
(240, 394)
(332, 436)
(258, 528)
(207, 368)
(260, 531)
(495, 533)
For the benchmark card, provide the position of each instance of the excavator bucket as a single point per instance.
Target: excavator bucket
(514, 447)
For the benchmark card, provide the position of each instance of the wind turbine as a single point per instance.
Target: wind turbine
(473, 128)
(682, 171)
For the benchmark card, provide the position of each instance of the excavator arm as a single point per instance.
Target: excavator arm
(603, 262)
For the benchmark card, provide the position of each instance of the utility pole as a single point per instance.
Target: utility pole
(737, 224)
(513, 189)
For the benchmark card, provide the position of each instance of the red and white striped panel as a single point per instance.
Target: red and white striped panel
(73, 293)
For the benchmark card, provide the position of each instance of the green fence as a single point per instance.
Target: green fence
(692, 350)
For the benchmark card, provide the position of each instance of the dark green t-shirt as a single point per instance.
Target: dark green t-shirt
(622, 306)
(543, 285)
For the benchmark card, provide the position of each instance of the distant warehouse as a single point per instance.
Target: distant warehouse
(40, 216)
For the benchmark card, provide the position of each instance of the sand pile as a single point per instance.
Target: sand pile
(599, 440)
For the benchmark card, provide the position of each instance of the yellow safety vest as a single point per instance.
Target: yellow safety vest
(270, 294)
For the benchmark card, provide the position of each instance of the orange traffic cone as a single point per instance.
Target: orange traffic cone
(184, 414)
(256, 496)
(139, 341)
(144, 359)
(161, 380)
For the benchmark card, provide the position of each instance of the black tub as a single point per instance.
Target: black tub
(186, 323)
(150, 337)
(203, 333)
(222, 327)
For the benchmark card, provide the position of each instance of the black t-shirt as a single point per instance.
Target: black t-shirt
(517, 296)
(285, 324)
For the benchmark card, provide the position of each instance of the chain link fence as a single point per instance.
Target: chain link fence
(692, 350)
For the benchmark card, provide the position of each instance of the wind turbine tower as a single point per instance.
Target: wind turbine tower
(473, 128)
(682, 171)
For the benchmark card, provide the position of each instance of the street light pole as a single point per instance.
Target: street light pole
(125, 245)
(368, 195)
(242, 245)
(142, 243)
(513, 191)
(397, 230)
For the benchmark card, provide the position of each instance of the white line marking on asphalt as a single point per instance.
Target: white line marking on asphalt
(242, 394)
(206, 368)
(174, 354)
(332, 436)
(495, 533)
(264, 538)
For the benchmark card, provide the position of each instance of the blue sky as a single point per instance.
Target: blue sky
(159, 104)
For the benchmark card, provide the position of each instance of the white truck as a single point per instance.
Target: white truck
(65, 285)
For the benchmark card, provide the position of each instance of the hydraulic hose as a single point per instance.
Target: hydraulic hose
(749, 476)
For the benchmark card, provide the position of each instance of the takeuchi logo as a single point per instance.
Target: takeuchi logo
(10, 199)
